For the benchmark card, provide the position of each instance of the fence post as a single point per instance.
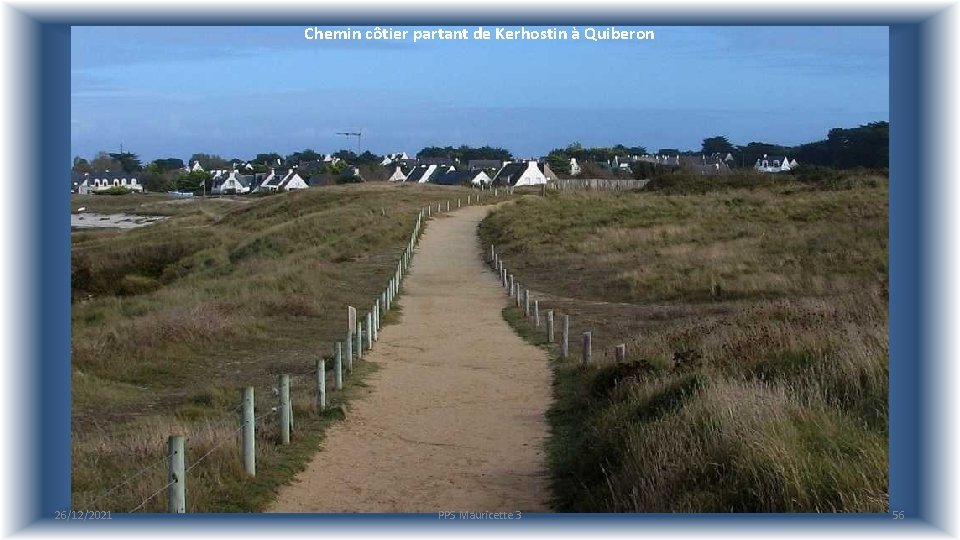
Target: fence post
(359, 344)
(511, 286)
(458, 203)
(565, 338)
(177, 492)
(338, 368)
(249, 431)
(519, 296)
(321, 385)
(285, 419)
(376, 320)
(493, 254)
(351, 319)
(448, 206)
(526, 303)
(536, 313)
(369, 330)
(621, 353)
(349, 353)
(549, 326)
(586, 354)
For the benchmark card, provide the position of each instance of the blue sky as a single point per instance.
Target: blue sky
(238, 91)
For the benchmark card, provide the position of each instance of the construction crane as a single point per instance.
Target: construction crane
(356, 134)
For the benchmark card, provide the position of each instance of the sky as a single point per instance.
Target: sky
(239, 91)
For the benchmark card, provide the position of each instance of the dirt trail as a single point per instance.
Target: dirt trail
(455, 417)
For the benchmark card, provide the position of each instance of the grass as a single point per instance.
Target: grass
(756, 328)
(169, 321)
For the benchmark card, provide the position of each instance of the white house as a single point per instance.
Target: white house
(233, 183)
(481, 179)
(575, 169)
(397, 175)
(288, 181)
(104, 180)
(521, 174)
(774, 164)
(196, 166)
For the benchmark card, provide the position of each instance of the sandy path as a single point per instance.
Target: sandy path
(455, 419)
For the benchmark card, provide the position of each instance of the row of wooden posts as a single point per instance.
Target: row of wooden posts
(361, 335)
(523, 302)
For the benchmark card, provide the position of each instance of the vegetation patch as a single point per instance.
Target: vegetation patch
(756, 328)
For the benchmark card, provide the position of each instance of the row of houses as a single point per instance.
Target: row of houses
(91, 182)
(523, 173)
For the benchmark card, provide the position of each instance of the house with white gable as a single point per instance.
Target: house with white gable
(232, 183)
(279, 181)
(774, 164)
(397, 176)
(524, 173)
(392, 158)
(422, 174)
(575, 169)
(453, 177)
(196, 166)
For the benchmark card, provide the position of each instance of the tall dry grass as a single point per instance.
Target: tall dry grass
(169, 321)
(756, 326)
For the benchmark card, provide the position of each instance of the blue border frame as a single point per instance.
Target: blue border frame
(911, 360)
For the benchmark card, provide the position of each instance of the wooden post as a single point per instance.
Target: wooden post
(249, 437)
(448, 206)
(519, 296)
(536, 313)
(358, 346)
(285, 419)
(549, 326)
(338, 368)
(376, 319)
(351, 319)
(621, 353)
(586, 354)
(369, 330)
(321, 386)
(565, 338)
(526, 303)
(511, 286)
(349, 353)
(458, 203)
(468, 199)
(493, 254)
(177, 492)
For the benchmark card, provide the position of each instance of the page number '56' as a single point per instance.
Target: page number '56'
(897, 514)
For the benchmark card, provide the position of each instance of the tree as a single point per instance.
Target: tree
(303, 155)
(194, 181)
(129, 162)
(103, 162)
(267, 160)
(81, 165)
(559, 162)
(167, 164)
(209, 161)
(717, 145)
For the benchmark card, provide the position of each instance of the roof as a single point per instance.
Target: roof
(453, 178)
(509, 172)
(417, 173)
(112, 175)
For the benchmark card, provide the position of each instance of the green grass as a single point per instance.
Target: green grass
(757, 341)
(171, 320)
